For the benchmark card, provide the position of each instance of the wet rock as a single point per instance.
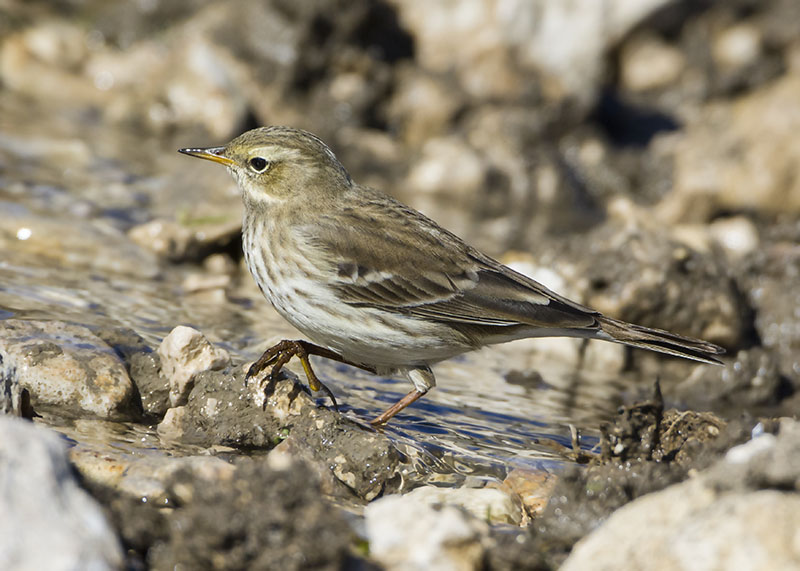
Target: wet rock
(146, 479)
(295, 448)
(184, 353)
(266, 516)
(205, 283)
(42, 504)
(646, 450)
(514, 549)
(766, 461)
(149, 479)
(494, 505)
(143, 365)
(645, 431)
(67, 366)
(221, 410)
(404, 533)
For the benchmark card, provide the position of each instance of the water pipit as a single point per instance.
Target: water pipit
(376, 284)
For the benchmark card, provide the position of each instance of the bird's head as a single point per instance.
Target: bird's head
(279, 163)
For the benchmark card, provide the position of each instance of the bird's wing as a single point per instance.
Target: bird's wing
(412, 266)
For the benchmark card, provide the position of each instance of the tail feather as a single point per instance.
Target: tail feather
(659, 340)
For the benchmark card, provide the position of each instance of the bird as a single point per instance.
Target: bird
(373, 283)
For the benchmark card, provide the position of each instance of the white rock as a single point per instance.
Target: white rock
(649, 63)
(407, 534)
(737, 46)
(737, 235)
(490, 504)
(46, 520)
(184, 353)
(688, 526)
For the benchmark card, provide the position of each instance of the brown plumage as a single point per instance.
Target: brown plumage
(377, 284)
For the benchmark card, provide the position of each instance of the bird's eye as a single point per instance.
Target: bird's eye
(259, 164)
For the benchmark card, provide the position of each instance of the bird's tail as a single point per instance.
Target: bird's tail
(659, 340)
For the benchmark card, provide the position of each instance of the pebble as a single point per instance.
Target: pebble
(184, 353)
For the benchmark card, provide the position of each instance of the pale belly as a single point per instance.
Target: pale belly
(370, 336)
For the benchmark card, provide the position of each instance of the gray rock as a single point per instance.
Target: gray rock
(221, 410)
(406, 534)
(143, 365)
(67, 366)
(46, 520)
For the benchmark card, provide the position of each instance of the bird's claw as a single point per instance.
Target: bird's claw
(277, 356)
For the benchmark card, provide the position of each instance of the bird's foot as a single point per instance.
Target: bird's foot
(280, 354)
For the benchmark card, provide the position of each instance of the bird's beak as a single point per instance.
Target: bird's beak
(215, 154)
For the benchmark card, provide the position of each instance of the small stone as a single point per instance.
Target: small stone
(737, 46)
(737, 235)
(171, 426)
(205, 282)
(533, 487)
(184, 353)
(649, 63)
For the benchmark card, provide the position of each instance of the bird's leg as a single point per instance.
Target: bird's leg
(384, 417)
(423, 380)
(281, 353)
